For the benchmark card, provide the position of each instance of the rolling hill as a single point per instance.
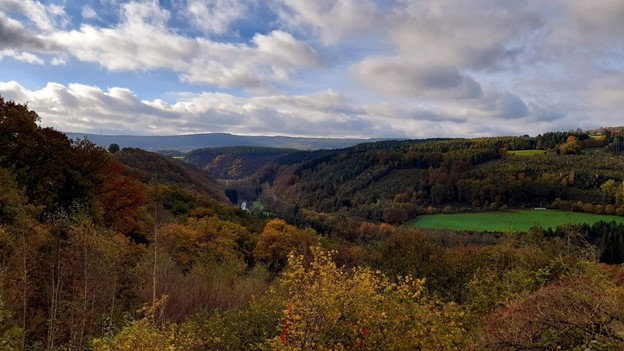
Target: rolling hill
(148, 165)
(237, 162)
(198, 141)
(395, 181)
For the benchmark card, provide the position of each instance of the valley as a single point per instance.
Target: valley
(434, 243)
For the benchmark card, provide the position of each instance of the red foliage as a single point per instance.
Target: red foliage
(121, 198)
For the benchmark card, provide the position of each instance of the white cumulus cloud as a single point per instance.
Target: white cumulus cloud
(215, 16)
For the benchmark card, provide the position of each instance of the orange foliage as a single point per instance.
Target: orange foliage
(279, 239)
(120, 198)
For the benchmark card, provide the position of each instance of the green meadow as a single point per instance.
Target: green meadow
(518, 220)
(526, 152)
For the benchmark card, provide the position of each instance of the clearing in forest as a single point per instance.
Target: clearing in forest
(518, 220)
(526, 152)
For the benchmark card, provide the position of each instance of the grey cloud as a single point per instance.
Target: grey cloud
(268, 120)
(266, 60)
(214, 120)
(352, 127)
(507, 106)
(579, 34)
(399, 112)
(333, 20)
(598, 18)
(215, 16)
(274, 57)
(84, 108)
(89, 109)
(45, 17)
(328, 101)
(281, 47)
(14, 36)
(431, 116)
(483, 34)
(13, 91)
(549, 115)
(396, 76)
(606, 93)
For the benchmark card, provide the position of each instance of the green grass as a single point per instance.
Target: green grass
(593, 150)
(257, 206)
(526, 152)
(521, 220)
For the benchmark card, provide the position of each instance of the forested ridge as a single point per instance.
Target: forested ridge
(394, 181)
(234, 162)
(132, 251)
(148, 165)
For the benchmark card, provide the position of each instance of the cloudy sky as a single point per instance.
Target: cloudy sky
(339, 68)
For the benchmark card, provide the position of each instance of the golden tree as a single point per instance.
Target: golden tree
(330, 308)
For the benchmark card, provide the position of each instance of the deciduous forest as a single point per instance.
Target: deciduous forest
(130, 250)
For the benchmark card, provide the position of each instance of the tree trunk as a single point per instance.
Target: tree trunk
(85, 291)
(54, 300)
(24, 290)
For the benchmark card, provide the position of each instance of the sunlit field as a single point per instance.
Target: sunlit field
(521, 220)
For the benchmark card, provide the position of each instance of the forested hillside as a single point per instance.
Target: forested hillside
(148, 166)
(78, 233)
(234, 162)
(131, 251)
(395, 181)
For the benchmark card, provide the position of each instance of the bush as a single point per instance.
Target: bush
(334, 309)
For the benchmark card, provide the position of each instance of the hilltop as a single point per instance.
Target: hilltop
(149, 166)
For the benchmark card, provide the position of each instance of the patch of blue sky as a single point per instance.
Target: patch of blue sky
(28, 75)
(259, 19)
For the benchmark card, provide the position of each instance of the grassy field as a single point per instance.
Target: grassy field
(526, 152)
(521, 220)
(593, 150)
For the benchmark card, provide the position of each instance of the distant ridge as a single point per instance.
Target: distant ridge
(198, 141)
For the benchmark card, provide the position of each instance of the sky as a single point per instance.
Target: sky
(316, 68)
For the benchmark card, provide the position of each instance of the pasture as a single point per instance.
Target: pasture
(526, 152)
(518, 220)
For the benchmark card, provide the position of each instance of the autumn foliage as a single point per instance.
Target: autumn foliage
(134, 251)
(330, 308)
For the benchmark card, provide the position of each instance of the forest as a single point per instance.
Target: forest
(130, 250)
(234, 162)
(392, 182)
